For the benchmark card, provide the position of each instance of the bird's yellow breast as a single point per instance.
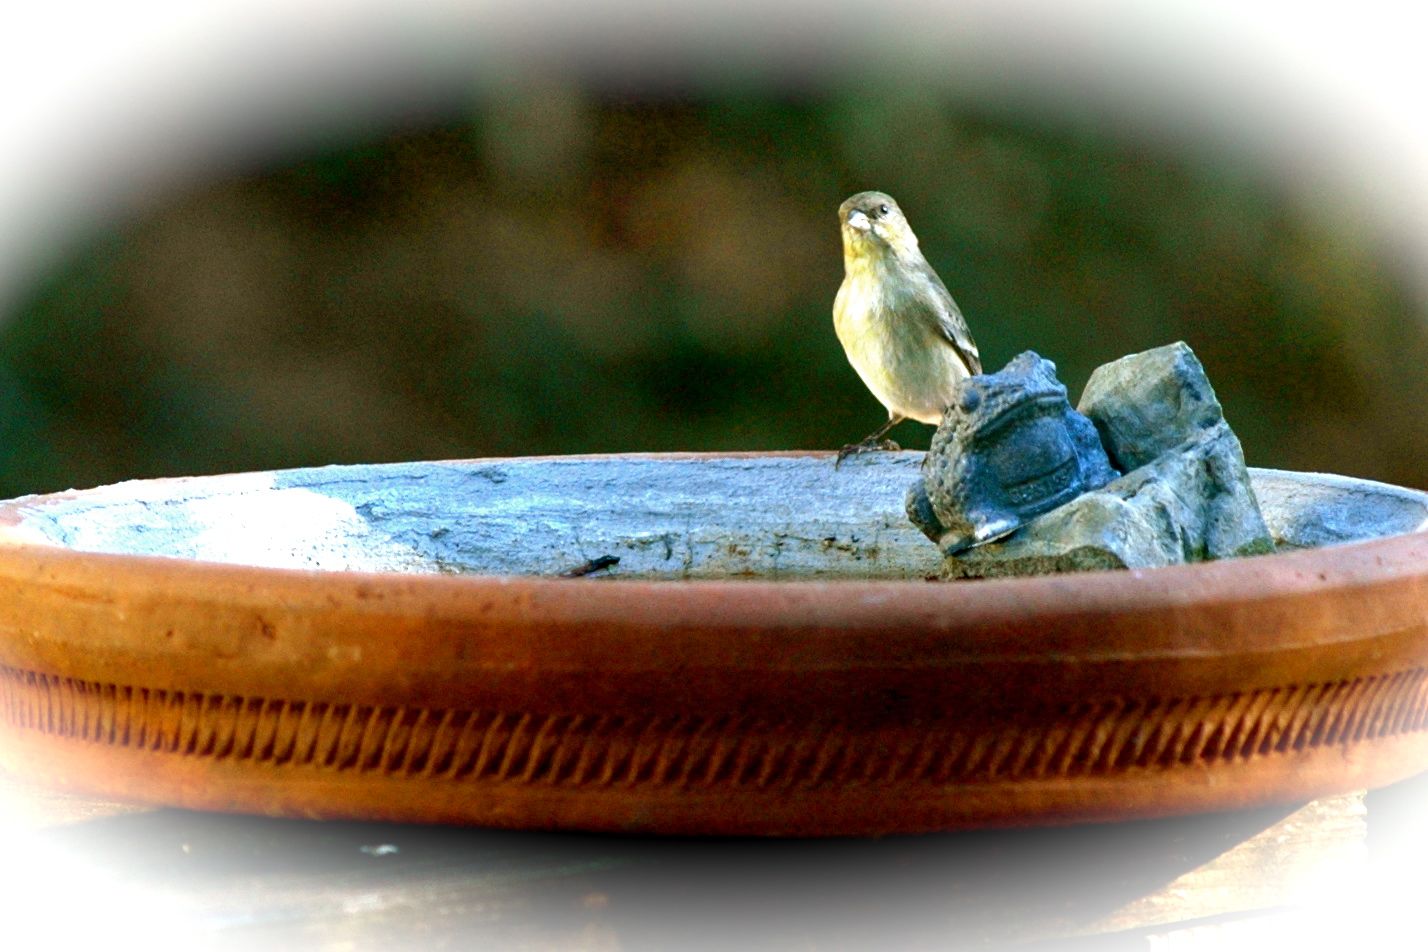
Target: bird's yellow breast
(892, 340)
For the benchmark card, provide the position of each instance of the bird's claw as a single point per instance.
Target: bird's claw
(867, 446)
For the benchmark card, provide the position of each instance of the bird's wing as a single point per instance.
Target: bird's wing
(954, 326)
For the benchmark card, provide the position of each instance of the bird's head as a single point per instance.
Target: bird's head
(874, 227)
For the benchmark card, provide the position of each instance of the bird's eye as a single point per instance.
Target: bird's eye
(884, 209)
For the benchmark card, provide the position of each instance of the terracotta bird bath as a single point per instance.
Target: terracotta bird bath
(398, 642)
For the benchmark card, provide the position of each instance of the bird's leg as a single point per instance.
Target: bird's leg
(873, 441)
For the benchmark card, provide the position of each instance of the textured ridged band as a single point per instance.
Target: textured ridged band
(1098, 738)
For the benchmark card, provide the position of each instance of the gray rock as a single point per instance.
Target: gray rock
(1144, 405)
(1192, 504)
(1009, 448)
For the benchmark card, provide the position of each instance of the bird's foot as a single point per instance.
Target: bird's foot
(867, 446)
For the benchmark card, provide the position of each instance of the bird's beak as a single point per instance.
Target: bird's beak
(859, 220)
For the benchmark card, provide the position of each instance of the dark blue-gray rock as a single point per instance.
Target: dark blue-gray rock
(1187, 497)
(1145, 405)
(1009, 448)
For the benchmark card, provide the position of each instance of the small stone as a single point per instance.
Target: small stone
(1144, 405)
(1008, 449)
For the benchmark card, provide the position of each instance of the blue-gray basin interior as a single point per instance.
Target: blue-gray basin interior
(768, 517)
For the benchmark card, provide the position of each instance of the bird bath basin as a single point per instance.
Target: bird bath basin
(397, 642)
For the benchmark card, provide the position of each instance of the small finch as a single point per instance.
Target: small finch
(897, 323)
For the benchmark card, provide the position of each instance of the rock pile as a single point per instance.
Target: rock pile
(996, 490)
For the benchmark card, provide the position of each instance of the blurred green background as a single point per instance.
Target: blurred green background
(556, 267)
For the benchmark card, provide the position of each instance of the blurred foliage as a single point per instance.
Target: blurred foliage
(560, 270)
